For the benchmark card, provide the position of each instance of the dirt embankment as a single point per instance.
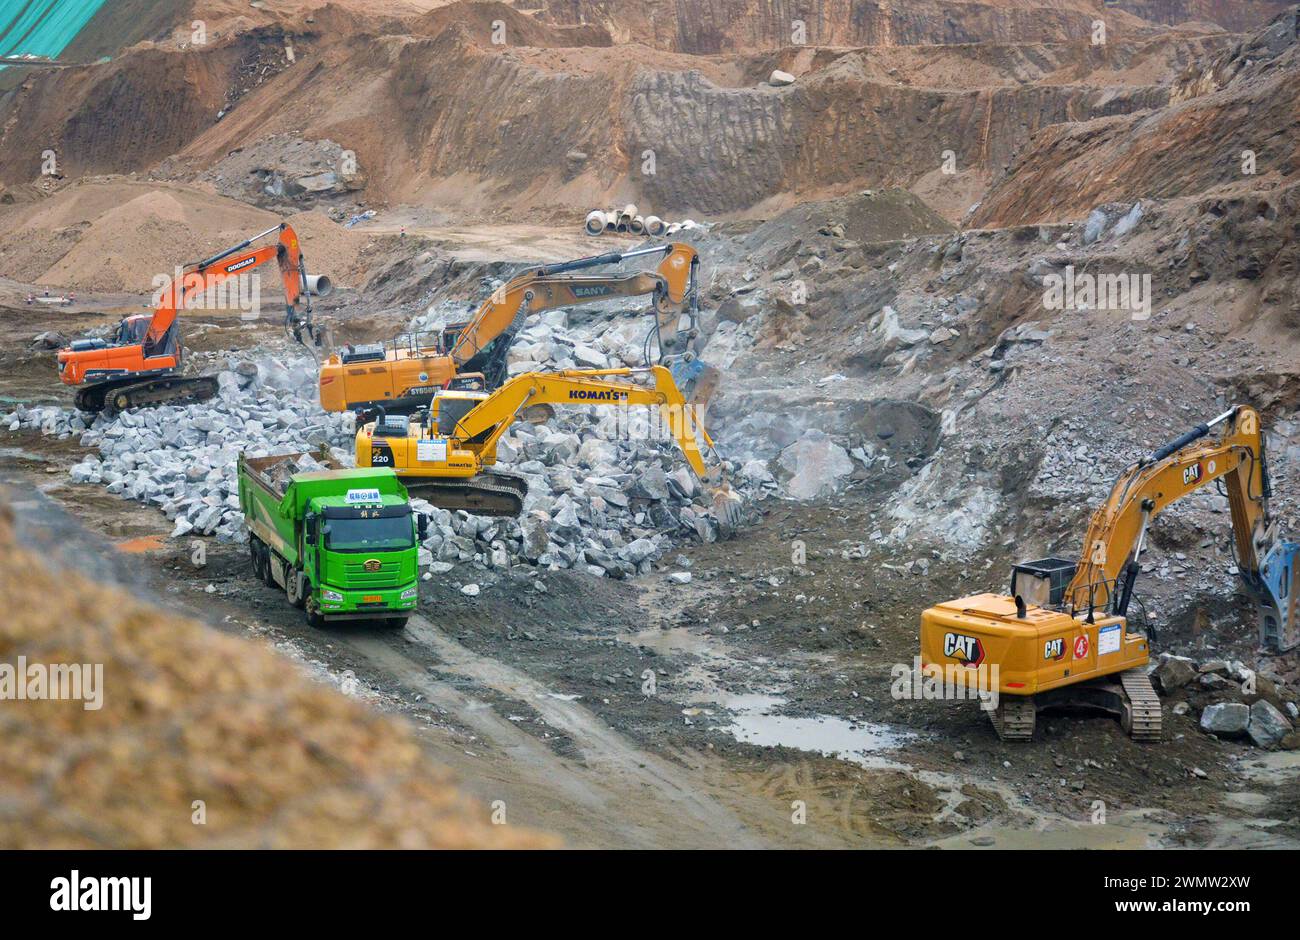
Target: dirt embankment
(732, 25)
(485, 110)
(1233, 121)
(113, 234)
(189, 715)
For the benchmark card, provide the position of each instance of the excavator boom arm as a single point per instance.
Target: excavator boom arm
(488, 420)
(551, 286)
(232, 263)
(1118, 527)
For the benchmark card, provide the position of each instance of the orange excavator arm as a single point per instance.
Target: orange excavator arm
(209, 272)
(400, 376)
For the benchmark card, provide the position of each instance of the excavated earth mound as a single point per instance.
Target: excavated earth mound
(187, 714)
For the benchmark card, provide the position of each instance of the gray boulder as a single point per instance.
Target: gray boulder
(1268, 726)
(1226, 719)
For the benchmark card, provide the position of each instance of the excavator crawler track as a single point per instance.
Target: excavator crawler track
(1014, 717)
(113, 397)
(1142, 717)
(485, 494)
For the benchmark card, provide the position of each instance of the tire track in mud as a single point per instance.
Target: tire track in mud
(631, 797)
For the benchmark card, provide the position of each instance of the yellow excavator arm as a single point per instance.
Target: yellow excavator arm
(445, 450)
(672, 285)
(482, 426)
(1109, 561)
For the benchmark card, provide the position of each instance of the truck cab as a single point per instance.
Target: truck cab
(360, 549)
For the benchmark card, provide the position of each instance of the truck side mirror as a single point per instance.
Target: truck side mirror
(422, 525)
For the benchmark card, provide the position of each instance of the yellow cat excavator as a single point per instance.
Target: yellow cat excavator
(400, 376)
(442, 452)
(1062, 636)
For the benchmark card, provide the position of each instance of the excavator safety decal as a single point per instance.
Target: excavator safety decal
(967, 650)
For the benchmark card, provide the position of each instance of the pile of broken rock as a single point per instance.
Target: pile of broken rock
(606, 495)
(1242, 704)
(183, 459)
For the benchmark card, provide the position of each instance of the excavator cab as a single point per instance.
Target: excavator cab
(1041, 583)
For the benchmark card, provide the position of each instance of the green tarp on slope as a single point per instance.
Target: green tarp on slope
(42, 27)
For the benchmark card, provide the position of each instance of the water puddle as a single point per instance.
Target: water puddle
(671, 642)
(856, 742)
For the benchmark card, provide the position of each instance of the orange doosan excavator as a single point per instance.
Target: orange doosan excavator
(141, 365)
(401, 376)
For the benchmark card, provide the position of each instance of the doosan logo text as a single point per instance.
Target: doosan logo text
(76, 893)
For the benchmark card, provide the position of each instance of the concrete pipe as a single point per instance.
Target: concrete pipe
(611, 220)
(595, 223)
(654, 225)
(673, 228)
(637, 225)
(624, 227)
(319, 285)
(628, 213)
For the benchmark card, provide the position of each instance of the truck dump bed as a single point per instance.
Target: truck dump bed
(275, 473)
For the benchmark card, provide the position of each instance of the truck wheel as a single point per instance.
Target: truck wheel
(395, 623)
(268, 576)
(292, 590)
(255, 556)
(314, 620)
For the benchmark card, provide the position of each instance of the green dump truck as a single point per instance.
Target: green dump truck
(341, 544)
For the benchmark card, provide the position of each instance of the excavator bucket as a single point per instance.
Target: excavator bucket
(727, 509)
(697, 380)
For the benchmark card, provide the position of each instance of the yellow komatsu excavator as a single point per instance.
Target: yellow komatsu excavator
(1062, 636)
(402, 375)
(442, 452)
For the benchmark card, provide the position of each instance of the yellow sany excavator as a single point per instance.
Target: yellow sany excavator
(1062, 636)
(442, 452)
(400, 376)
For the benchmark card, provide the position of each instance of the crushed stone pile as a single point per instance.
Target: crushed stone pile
(183, 459)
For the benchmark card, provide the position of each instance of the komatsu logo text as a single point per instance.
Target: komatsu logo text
(584, 394)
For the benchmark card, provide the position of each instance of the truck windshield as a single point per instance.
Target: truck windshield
(368, 535)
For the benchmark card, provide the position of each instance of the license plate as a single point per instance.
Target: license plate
(372, 599)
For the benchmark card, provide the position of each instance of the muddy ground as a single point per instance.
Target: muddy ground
(769, 721)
